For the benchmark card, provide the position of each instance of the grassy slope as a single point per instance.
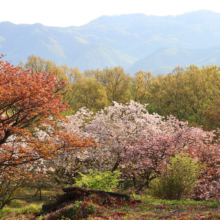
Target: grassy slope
(148, 209)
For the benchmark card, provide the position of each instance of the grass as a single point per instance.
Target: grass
(25, 212)
(158, 209)
(26, 208)
(149, 208)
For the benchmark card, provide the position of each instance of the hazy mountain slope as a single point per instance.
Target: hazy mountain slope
(120, 40)
(100, 56)
(139, 35)
(20, 41)
(164, 60)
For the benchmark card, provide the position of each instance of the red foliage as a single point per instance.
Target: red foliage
(26, 100)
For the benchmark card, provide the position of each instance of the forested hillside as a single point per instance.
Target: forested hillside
(136, 41)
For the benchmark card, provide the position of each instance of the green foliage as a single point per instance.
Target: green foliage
(139, 86)
(74, 209)
(186, 93)
(87, 92)
(38, 64)
(91, 209)
(178, 179)
(106, 181)
(115, 81)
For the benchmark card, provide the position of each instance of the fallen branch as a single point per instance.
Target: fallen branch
(73, 194)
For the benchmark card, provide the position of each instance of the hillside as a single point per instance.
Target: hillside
(164, 60)
(134, 41)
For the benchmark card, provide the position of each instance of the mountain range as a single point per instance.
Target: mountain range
(136, 41)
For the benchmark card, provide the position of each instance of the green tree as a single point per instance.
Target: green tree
(116, 82)
(140, 86)
(37, 64)
(86, 92)
(187, 93)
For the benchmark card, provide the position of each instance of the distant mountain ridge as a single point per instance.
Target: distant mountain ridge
(164, 60)
(135, 41)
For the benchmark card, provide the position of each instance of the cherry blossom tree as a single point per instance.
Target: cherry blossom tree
(208, 186)
(140, 143)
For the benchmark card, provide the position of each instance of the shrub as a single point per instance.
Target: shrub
(178, 179)
(74, 209)
(91, 209)
(106, 181)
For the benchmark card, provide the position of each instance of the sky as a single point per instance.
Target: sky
(64, 13)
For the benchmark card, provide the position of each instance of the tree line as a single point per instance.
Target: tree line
(189, 94)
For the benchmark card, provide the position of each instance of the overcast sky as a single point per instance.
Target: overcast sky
(65, 13)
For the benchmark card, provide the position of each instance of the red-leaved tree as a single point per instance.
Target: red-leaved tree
(27, 101)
